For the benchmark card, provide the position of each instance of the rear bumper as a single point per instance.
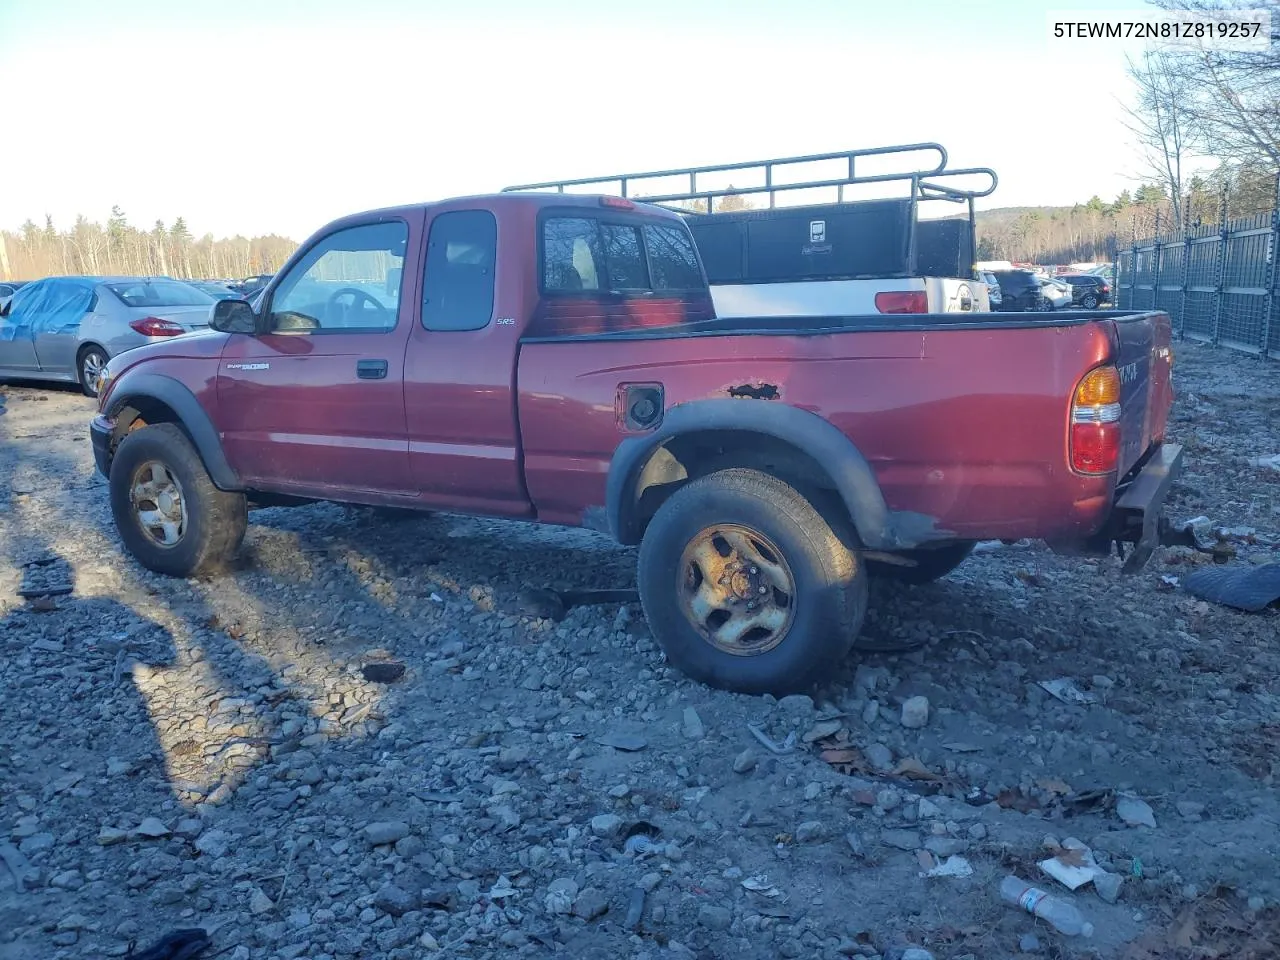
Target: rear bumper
(100, 430)
(1136, 516)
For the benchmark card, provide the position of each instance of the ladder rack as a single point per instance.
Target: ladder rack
(924, 183)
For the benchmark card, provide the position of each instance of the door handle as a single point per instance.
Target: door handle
(371, 369)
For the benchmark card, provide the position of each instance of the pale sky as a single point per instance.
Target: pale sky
(280, 115)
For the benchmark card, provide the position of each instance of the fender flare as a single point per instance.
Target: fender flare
(192, 417)
(850, 472)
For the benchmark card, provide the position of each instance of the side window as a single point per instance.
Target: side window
(672, 260)
(346, 283)
(571, 255)
(457, 287)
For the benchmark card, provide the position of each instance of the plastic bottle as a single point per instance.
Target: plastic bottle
(1058, 913)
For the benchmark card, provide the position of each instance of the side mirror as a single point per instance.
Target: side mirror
(233, 316)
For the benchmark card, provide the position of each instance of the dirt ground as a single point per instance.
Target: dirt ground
(178, 754)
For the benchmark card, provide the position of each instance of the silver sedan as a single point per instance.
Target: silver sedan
(67, 328)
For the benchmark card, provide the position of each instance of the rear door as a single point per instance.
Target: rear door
(316, 404)
(58, 324)
(464, 443)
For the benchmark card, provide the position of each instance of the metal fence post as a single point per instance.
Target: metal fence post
(1156, 250)
(1273, 274)
(1133, 260)
(1179, 325)
(1220, 268)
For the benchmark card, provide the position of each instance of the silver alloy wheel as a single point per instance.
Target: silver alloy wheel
(158, 505)
(91, 368)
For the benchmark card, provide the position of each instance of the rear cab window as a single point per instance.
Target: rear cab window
(597, 254)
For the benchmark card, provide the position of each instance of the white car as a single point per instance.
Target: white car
(1056, 294)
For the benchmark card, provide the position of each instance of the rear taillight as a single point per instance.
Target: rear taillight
(1095, 422)
(156, 327)
(902, 301)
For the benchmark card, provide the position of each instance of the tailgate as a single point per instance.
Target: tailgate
(1144, 360)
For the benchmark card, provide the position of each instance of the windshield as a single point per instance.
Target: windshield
(159, 293)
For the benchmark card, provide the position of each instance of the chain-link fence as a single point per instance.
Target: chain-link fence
(1218, 283)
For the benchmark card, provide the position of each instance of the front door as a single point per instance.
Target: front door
(17, 327)
(315, 404)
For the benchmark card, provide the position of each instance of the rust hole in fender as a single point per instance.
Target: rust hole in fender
(747, 391)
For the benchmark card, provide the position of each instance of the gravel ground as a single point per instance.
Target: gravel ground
(179, 754)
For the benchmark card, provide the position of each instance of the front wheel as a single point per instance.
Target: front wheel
(747, 587)
(169, 514)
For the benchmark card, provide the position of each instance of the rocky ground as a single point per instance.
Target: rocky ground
(221, 754)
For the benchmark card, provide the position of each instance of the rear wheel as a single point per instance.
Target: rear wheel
(1089, 301)
(169, 514)
(90, 363)
(746, 585)
(927, 565)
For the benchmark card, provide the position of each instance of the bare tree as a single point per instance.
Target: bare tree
(1233, 94)
(1160, 121)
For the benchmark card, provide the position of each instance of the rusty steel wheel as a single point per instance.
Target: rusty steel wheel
(736, 589)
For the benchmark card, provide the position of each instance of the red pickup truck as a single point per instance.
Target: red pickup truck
(557, 358)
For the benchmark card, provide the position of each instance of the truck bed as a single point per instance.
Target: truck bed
(964, 418)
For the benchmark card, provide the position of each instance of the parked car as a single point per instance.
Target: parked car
(1019, 290)
(252, 285)
(993, 288)
(559, 360)
(1054, 294)
(67, 328)
(1089, 290)
(215, 289)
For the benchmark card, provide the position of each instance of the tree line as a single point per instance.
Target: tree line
(120, 248)
(1093, 231)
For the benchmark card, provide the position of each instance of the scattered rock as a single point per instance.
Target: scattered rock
(626, 742)
(945, 846)
(901, 839)
(213, 843)
(1135, 812)
(691, 724)
(1189, 809)
(391, 899)
(590, 904)
(606, 825)
(151, 829)
(916, 953)
(109, 836)
(915, 712)
(386, 831)
(260, 903)
(822, 730)
(879, 756)
(561, 895)
(1029, 943)
(745, 762)
(1107, 886)
(714, 918)
(810, 831)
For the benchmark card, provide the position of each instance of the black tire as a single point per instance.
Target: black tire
(90, 354)
(930, 564)
(215, 520)
(829, 585)
(1089, 301)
